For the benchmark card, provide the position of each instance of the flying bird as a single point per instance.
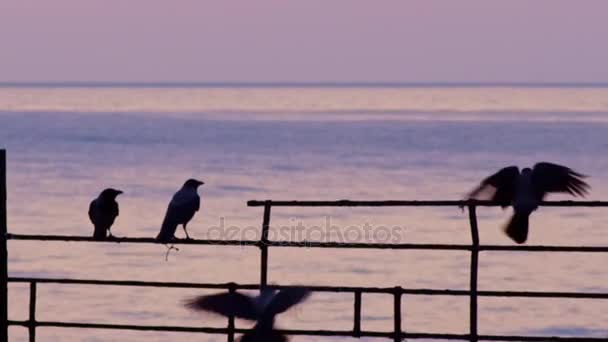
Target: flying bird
(261, 309)
(103, 211)
(524, 191)
(181, 209)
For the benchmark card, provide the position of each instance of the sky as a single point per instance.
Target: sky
(303, 41)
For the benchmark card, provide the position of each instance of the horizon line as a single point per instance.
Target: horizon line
(277, 84)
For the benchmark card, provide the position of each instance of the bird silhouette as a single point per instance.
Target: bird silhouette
(103, 211)
(262, 309)
(524, 191)
(182, 207)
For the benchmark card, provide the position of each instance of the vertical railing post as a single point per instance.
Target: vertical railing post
(398, 292)
(264, 246)
(32, 320)
(473, 273)
(357, 315)
(3, 250)
(232, 290)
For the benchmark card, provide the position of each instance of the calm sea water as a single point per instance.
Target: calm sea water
(67, 144)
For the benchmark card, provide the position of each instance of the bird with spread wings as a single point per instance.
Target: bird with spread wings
(261, 309)
(526, 189)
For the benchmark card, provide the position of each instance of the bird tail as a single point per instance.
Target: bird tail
(517, 228)
(99, 233)
(163, 238)
(167, 232)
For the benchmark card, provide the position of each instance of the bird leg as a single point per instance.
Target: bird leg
(185, 231)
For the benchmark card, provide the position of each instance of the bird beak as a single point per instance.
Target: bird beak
(118, 192)
(201, 183)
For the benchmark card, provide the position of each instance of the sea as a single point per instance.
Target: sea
(67, 142)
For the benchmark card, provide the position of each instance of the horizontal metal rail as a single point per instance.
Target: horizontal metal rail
(429, 203)
(144, 240)
(316, 244)
(362, 333)
(348, 289)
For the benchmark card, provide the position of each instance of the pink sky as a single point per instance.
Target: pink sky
(304, 41)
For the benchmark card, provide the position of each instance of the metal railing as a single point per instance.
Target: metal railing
(397, 334)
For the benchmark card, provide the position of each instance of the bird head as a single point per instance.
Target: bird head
(110, 193)
(193, 183)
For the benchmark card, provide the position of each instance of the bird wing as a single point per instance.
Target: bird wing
(114, 209)
(92, 211)
(226, 304)
(181, 209)
(287, 298)
(197, 203)
(184, 204)
(503, 185)
(549, 177)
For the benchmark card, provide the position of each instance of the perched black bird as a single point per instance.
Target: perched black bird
(261, 309)
(525, 190)
(103, 211)
(181, 209)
